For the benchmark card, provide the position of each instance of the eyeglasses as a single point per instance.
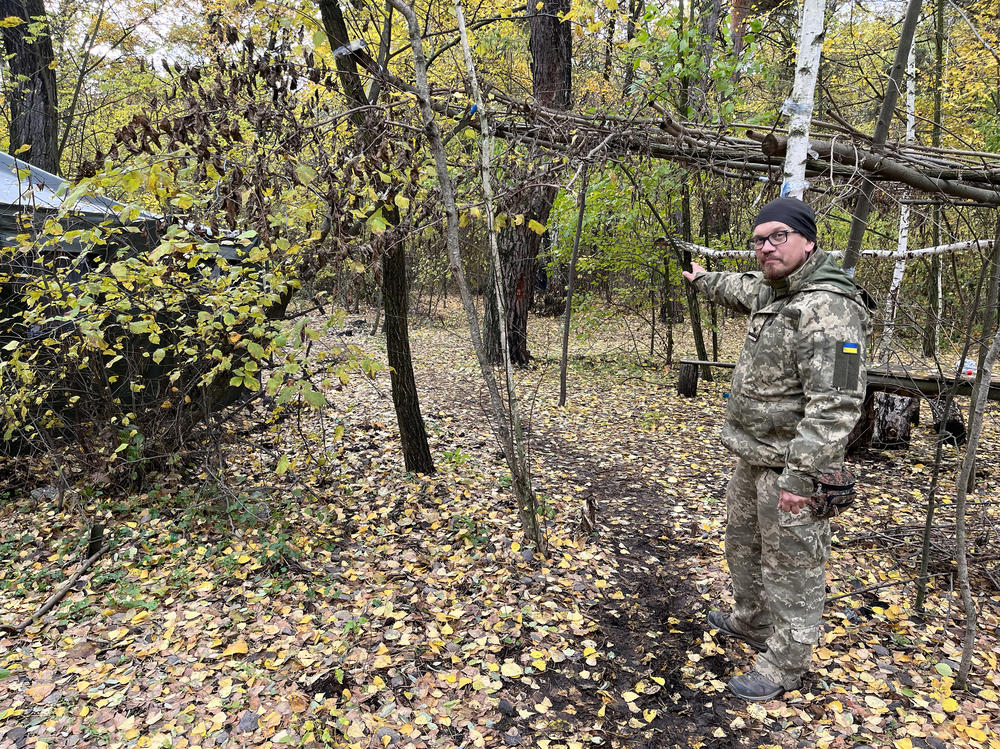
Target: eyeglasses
(775, 238)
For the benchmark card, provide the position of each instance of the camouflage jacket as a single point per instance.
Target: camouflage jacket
(799, 384)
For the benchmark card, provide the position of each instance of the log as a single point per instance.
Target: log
(893, 417)
(877, 164)
(953, 421)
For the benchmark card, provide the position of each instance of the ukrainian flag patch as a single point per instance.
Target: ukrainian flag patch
(846, 365)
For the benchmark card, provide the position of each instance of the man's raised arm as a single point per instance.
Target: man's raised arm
(735, 290)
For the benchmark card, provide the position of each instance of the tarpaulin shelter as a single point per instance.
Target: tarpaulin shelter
(30, 197)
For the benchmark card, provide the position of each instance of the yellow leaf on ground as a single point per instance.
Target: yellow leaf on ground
(975, 734)
(875, 703)
(903, 744)
(949, 704)
(38, 692)
(237, 648)
(511, 670)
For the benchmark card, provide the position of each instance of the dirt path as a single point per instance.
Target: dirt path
(636, 696)
(652, 628)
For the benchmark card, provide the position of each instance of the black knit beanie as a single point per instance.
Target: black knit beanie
(792, 212)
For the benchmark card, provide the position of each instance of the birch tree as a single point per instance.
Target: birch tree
(799, 106)
(892, 298)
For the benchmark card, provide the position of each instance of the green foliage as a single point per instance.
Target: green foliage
(670, 55)
(456, 456)
(115, 352)
(619, 229)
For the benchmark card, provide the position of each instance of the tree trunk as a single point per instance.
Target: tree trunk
(569, 288)
(863, 205)
(609, 47)
(934, 281)
(708, 23)
(694, 307)
(902, 239)
(395, 286)
(800, 106)
(551, 47)
(635, 9)
(353, 89)
(412, 434)
(978, 409)
(508, 424)
(31, 86)
(740, 12)
(518, 246)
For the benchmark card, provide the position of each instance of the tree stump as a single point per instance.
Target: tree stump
(861, 436)
(893, 417)
(953, 421)
(687, 380)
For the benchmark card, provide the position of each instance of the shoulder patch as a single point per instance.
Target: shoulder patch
(846, 365)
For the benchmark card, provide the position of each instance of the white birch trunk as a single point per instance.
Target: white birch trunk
(892, 299)
(944, 249)
(939, 312)
(799, 106)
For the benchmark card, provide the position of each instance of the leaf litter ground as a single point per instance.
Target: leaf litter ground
(347, 603)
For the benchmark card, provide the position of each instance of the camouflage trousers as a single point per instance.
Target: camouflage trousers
(777, 560)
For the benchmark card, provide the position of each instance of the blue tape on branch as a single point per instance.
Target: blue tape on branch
(349, 49)
(793, 185)
(791, 107)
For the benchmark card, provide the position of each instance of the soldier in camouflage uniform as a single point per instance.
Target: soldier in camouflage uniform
(796, 393)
